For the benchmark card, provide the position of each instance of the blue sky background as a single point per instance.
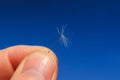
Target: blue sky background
(93, 26)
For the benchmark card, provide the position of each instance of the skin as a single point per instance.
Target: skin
(28, 63)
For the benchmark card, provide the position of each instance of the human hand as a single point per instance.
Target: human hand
(28, 63)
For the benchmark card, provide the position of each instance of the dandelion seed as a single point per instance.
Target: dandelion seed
(64, 40)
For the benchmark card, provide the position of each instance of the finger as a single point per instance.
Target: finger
(36, 66)
(11, 57)
(6, 69)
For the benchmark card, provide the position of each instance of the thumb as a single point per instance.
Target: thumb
(36, 66)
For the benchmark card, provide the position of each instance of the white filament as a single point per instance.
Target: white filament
(63, 38)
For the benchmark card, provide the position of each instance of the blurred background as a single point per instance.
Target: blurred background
(93, 28)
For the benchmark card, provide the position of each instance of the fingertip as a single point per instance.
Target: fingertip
(19, 52)
(42, 61)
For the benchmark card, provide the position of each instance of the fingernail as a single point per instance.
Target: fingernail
(39, 64)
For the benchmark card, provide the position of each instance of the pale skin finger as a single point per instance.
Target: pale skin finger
(12, 57)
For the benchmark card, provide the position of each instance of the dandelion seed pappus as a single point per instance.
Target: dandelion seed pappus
(63, 39)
